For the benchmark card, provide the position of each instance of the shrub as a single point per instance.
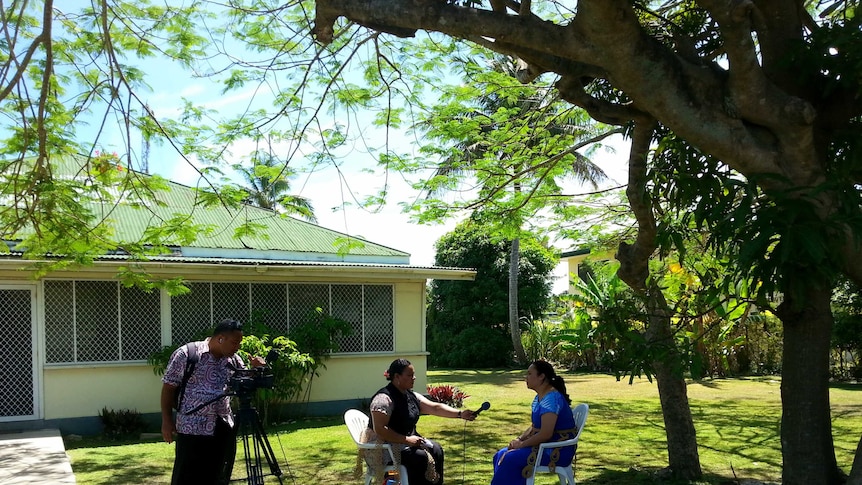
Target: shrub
(124, 423)
(473, 348)
(447, 394)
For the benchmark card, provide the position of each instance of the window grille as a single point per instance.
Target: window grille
(18, 354)
(269, 303)
(140, 323)
(303, 299)
(231, 300)
(347, 305)
(59, 321)
(191, 314)
(379, 318)
(101, 321)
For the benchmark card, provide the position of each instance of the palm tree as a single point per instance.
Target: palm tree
(269, 184)
(541, 118)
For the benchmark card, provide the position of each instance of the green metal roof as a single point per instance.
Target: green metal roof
(284, 237)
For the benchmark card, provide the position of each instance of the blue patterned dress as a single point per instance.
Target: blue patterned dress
(512, 467)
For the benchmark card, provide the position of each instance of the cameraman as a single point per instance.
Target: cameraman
(206, 441)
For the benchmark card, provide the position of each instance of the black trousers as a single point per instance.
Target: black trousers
(205, 460)
(416, 461)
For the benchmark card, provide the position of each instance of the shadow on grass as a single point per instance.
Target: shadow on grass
(846, 386)
(645, 476)
(730, 431)
(108, 464)
(99, 442)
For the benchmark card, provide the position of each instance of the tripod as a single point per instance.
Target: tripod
(255, 443)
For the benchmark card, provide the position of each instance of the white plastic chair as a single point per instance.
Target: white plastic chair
(566, 474)
(357, 422)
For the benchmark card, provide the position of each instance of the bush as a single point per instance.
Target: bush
(447, 394)
(475, 347)
(124, 423)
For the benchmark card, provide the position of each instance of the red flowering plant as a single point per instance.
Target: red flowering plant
(447, 394)
(106, 167)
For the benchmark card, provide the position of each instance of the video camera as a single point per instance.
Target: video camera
(246, 381)
(249, 380)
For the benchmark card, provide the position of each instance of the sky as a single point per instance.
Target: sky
(327, 189)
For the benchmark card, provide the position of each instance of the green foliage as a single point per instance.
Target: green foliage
(268, 184)
(538, 339)
(483, 301)
(472, 348)
(604, 329)
(847, 331)
(122, 423)
(457, 306)
(517, 143)
(318, 333)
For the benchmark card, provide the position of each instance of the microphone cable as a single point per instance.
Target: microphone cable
(464, 453)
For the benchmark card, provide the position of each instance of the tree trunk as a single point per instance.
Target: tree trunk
(806, 428)
(514, 327)
(856, 471)
(683, 458)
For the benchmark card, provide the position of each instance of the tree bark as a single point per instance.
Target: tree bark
(514, 327)
(806, 426)
(682, 453)
(856, 472)
(683, 457)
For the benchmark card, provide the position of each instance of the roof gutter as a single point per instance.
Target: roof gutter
(252, 270)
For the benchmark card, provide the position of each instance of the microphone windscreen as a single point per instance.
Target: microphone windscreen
(272, 356)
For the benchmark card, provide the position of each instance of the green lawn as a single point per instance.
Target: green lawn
(737, 423)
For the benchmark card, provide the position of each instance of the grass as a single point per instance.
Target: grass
(737, 423)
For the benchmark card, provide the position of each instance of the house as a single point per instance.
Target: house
(77, 339)
(574, 259)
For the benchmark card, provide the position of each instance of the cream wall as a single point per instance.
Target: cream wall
(71, 392)
(80, 391)
(574, 262)
(355, 377)
(410, 317)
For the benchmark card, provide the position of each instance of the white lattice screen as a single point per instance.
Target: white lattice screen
(18, 354)
(102, 321)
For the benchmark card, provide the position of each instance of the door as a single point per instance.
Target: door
(19, 361)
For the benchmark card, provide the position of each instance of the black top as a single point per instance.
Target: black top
(405, 410)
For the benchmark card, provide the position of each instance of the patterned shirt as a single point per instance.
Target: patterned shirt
(209, 380)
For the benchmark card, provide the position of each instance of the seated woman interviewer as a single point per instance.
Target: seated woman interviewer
(551, 420)
(395, 410)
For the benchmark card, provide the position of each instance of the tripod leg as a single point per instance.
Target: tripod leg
(253, 469)
(264, 445)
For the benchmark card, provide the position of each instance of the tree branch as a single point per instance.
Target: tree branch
(634, 257)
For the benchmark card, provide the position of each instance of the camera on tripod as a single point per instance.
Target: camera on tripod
(255, 444)
(246, 381)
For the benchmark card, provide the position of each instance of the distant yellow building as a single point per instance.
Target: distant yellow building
(574, 260)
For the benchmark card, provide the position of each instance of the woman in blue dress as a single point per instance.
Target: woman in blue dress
(552, 420)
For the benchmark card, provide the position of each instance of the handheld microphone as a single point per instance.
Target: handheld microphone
(485, 405)
(272, 356)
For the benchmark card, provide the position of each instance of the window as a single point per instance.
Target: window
(102, 321)
(99, 321)
(368, 309)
